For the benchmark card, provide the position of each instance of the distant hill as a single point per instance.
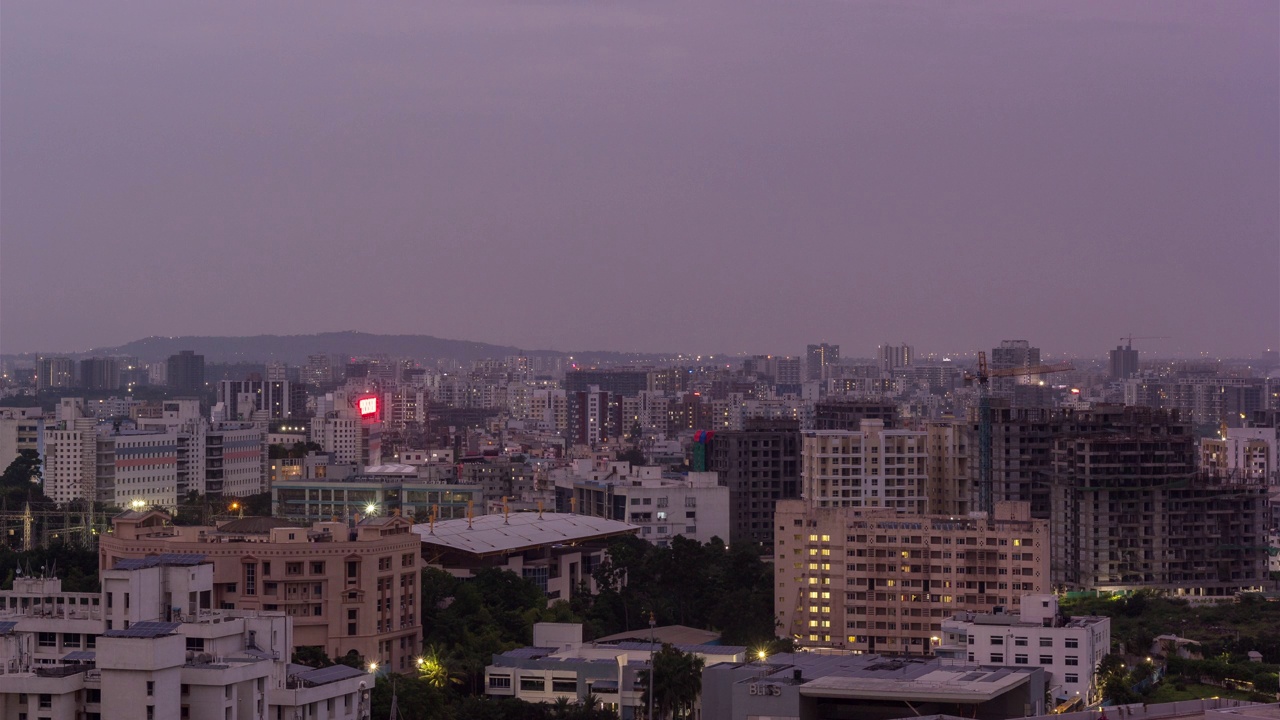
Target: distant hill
(294, 349)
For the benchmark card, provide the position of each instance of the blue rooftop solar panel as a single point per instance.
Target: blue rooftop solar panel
(143, 630)
(7, 627)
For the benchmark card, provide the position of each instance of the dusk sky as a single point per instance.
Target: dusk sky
(739, 176)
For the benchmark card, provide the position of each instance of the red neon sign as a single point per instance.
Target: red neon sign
(368, 406)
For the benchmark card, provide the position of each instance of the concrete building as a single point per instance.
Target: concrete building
(348, 426)
(55, 372)
(893, 357)
(361, 495)
(845, 413)
(347, 587)
(149, 646)
(280, 399)
(557, 551)
(819, 358)
(876, 580)
(1132, 512)
(1251, 452)
(70, 459)
(184, 372)
(662, 504)
(1123, 362)
(812, 686)
(561, 665)
(20, 429)
(871, 467)
(99, 373)
(761, 466)
(1069, 649)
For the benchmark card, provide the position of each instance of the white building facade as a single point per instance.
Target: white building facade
(1068, 648)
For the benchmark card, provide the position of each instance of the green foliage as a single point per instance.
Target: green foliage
(689, 583)
(1231, 628)
(311, 656)
(76, 566)
(22, 480)
(632, 455)
(677, 682)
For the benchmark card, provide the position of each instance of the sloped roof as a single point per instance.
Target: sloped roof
(491, 534)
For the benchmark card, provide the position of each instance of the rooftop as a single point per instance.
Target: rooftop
(490, 534)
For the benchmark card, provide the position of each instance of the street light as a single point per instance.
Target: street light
(373, 667)
(371, 509)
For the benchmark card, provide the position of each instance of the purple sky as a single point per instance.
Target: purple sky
(699, 176)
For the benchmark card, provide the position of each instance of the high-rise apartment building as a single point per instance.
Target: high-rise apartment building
(1124, 363)
(55, 372)
(281, 399)
(893, 357)
(876, 580)
(1132, 512)
(185, 372)
(99, 373)
(818, 358)
(761, 466)
(870, 467)
(846, 413)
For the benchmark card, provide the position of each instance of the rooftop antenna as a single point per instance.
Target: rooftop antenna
(469, 504)
(539, 509)
(506, 513)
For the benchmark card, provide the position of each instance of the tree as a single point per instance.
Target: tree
(632, 455)
(677, 682)
(311, 656)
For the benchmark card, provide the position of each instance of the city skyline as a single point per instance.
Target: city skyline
(717, 178)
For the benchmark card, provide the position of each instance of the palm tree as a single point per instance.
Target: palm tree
(677, 682)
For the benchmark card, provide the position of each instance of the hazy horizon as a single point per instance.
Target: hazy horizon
(715, 177)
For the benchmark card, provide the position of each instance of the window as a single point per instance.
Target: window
(151, 688)
(499, 681)
(997, 640)
(533, 684)
(997, 658)
(1020, 642)
(564, 685)
(1072, 642)
(1046, 659)
(48, 639)
(1071, 678)
(46, 701)
(1020, 659)
(317, 568)
(1046, 642)
(294, 568)
(250, 579)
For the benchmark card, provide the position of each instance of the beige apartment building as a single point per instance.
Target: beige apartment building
(346, 587)
(870, 467)
(876, 580)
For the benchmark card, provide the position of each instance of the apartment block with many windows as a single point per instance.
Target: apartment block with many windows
(875, 580)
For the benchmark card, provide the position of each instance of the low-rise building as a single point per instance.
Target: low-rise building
(662, 504)
(811, 686)
(343, 498)
(561, 665)
(557, 551)
(1068, 648)
(348, 587)
(149, 646)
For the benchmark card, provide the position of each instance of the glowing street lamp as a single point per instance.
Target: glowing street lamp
(371, 509)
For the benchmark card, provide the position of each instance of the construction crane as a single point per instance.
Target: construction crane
(1128, 345)
(986, 491)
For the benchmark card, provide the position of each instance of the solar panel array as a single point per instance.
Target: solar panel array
(80, 656)
(171, 559)
(144, 630)
(7, 627)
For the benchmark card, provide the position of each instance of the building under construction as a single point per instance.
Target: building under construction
(1130, 511)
